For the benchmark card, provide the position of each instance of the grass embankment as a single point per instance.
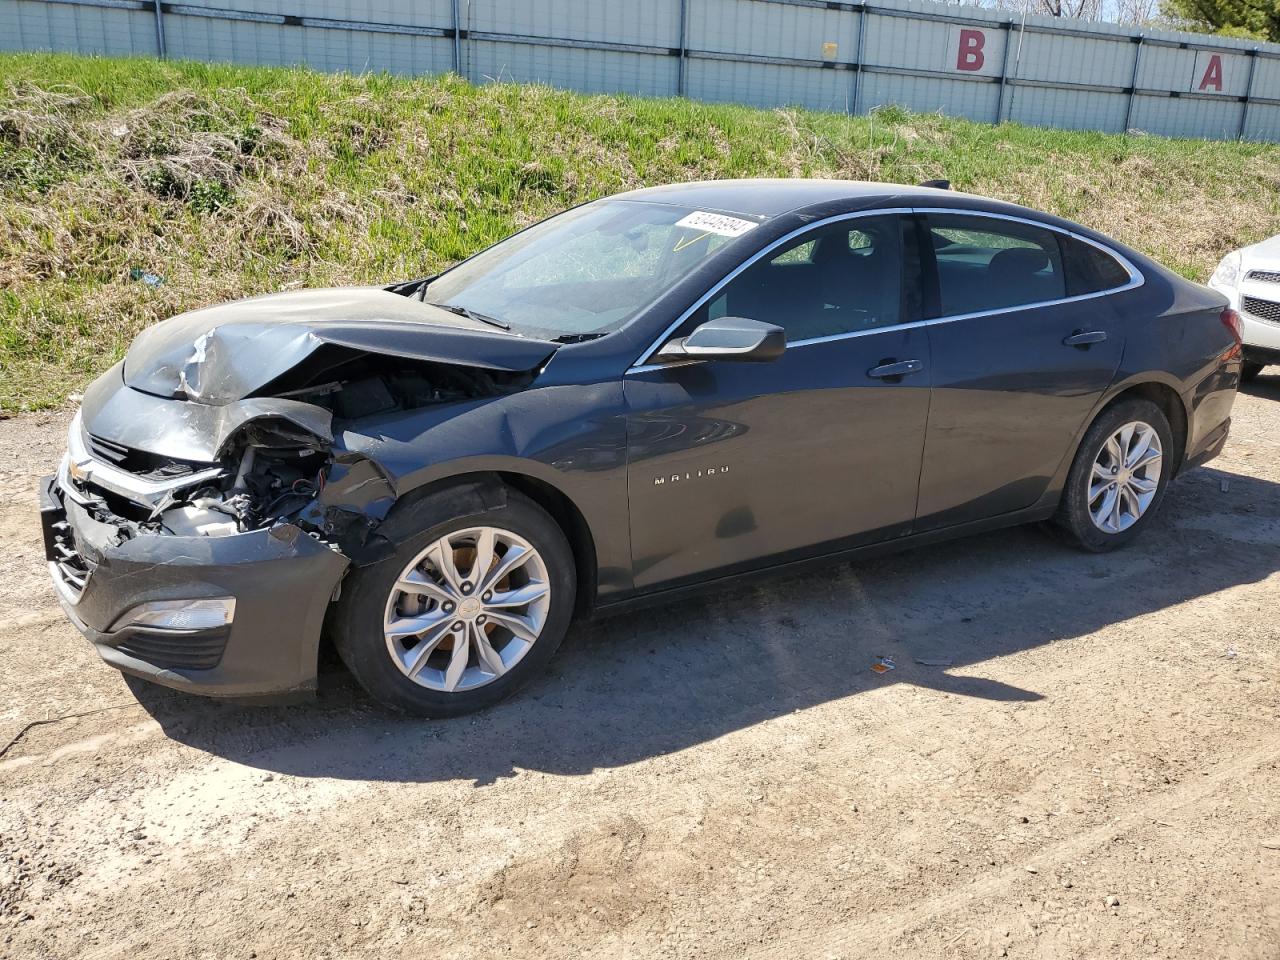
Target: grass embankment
(228, 181)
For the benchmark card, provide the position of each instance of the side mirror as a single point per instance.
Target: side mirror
(728, 338)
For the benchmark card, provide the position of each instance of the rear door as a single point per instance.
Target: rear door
(1024, 344)
(731, 463)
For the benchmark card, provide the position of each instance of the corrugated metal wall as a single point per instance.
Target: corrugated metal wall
(837, 56)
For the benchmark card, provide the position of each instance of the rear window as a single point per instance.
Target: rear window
(1090, 269)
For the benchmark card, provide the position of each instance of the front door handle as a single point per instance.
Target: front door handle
(895, 369)
(1082, 338)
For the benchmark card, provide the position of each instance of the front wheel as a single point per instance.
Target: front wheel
(1118, 478)
(470, 607)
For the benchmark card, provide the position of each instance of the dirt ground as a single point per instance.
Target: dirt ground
(1096, 775)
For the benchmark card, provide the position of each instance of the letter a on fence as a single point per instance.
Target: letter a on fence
(1210, 72)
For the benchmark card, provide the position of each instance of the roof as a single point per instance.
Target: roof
(764, 198)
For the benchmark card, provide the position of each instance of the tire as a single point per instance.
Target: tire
(373, 606)
(1075, 519)
(1249, 371)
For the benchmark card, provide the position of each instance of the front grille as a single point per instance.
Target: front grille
(139, 462)
(171, 649)
(1267, 310)
(1266, 276)
(106, 450)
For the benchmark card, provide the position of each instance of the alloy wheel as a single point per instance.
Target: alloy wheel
(1125, 477)
(467, 609)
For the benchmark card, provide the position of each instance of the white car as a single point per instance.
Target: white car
(1250, 278)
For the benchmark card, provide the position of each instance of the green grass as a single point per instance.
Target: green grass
(229, 181)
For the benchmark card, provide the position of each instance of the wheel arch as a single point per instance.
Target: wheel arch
(1164, 396)
(571, 520)
(488, 488)
(1154, 387)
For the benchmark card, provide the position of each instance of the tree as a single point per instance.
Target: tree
(1075, 9)
(1239, 18)
(1136, 11)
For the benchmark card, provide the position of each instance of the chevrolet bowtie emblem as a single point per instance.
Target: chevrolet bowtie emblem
(78, 470)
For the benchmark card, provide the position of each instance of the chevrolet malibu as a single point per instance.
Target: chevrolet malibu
(644, 395)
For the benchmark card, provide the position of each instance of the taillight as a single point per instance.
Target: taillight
(1231, 320)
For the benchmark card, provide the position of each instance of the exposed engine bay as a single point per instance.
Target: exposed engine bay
(272, 468)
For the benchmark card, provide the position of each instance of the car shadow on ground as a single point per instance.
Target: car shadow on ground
(1266, 385)
(632, 687)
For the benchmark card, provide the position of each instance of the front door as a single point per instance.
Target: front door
(736, 464)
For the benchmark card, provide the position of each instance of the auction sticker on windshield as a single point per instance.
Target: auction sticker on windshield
(717, 223)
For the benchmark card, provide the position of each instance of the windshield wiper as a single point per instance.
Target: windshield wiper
(576, 337)
(462, 311)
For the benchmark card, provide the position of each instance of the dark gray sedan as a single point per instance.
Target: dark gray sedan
(640, 396)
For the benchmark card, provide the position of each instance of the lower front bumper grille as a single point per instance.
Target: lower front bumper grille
(1267, 310)
(172, 649)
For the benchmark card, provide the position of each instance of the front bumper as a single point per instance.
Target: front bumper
(281, 579)
(1256, 302)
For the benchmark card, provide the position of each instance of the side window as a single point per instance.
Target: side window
(1089, 269)
(990, 264)
(802, 253)
(836, 279)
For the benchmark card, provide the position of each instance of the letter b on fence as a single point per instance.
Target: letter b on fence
(969, 47)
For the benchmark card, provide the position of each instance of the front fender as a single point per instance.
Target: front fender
(569, 437)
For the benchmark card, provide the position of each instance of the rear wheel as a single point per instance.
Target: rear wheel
(1118, 478)
(468, 609)
(1249, 370)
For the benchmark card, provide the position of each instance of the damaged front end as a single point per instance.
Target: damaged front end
(201, 575)
(270, 470)
(208, 507)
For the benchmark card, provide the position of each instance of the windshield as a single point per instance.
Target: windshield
(585, 272)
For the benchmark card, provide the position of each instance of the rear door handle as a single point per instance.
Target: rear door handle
(895, 369)
(1082, 338)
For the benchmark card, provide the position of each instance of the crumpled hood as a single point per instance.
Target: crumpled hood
(217, 355)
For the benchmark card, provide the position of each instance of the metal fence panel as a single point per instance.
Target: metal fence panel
(814, 33)
(111, 31)
(1071, 109)
(1186, 117)
(1062, 59)
(770, 85)
(974, 100)
(1194, 71)
(935, 46)
(1266, 78)
(241, 41)
(1264, 122)
(403, 12)
(651, 23)
(575, 68)
(835, 55)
